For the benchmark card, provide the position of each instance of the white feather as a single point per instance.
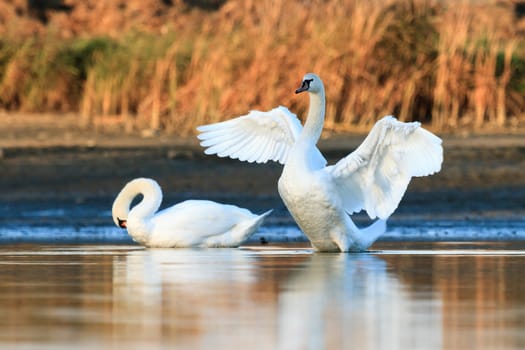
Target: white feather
(255, 137)
(375, 176)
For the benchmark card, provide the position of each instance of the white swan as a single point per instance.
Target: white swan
(188, 224)
(374, 177)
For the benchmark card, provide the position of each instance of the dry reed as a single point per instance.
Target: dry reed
(445, 63)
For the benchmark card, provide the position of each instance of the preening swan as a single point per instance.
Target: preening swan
(188, 224)
(320, 198)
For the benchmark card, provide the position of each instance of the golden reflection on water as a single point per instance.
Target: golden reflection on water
(105, 297)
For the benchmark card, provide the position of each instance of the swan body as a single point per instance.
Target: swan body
(320, 198)
(192, 223)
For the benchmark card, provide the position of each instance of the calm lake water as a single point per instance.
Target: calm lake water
(398, 296)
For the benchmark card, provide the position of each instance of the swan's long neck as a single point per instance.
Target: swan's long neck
(139, 216)
(315, 119)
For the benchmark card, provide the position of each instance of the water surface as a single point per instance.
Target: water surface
(398, 296)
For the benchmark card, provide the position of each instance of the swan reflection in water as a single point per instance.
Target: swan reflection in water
(353, 301)
(186, 297)
(268, 299)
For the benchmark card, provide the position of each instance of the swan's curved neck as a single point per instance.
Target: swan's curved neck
(138, 217)
(315, 119)
(149, 205)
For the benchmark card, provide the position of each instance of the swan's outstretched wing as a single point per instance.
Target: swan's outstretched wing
(375, 176)
(255, 137)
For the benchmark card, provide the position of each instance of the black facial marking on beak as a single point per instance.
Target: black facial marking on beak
(304, 86)
(122, 223)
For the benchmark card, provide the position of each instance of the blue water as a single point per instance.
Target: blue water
(25, 223)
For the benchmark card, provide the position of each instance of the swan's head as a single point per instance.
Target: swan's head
(311, 83)
(120, 209)
(120, 214)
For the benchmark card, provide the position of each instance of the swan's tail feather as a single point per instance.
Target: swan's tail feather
(368, 236)
(375, 230)
(239, 233)
(253, 225)
(265, 214)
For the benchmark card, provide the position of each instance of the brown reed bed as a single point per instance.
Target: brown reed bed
(449, 64)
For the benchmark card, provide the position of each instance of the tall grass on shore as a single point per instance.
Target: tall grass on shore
(448, 64)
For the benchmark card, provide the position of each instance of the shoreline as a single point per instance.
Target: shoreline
(21, 132)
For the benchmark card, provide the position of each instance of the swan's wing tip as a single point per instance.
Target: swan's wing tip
(204, 128)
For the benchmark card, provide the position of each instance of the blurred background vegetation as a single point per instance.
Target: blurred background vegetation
(174, 64)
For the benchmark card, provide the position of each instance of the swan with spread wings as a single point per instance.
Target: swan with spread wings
(321, 198)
